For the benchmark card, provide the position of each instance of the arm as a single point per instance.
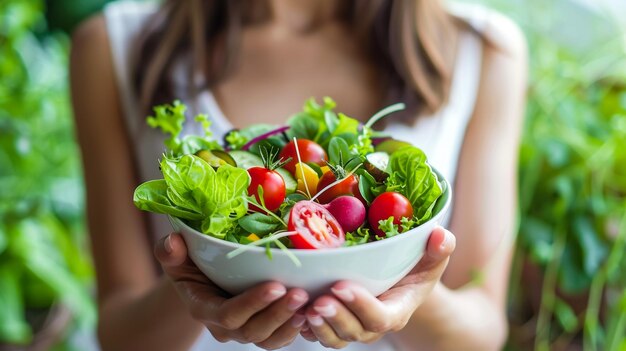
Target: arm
(452, 314)
(129, 290)
(138, 310)
(473, 316)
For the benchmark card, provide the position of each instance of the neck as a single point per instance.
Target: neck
(302, 15)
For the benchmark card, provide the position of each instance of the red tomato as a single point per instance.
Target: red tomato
(273, 187)
(317, 228)
(386, 205)
(348, 186)
(310, 151)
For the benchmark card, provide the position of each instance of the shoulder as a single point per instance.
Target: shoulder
(92, 73)
(504, 70)
(90, 54)
(115, 29)
(504, 38)
(500, 34)
(90, 35)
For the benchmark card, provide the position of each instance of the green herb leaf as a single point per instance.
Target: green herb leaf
(366, 184)
(303, 127)
(260, 224)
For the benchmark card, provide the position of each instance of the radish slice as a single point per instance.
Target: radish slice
(264, 136)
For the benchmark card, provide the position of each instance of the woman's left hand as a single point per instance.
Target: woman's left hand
(351, 313)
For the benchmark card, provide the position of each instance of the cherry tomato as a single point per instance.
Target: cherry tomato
(348, 186)
(316, 227)
(386, 205)
(273, 187)
(310, 151)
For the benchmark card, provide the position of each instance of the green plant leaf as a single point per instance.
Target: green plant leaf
(303, 127)
(218, 195)
(421, 184)
(594, 251)
(14, 328)
(152, 196)
(338, 151)
(260, 224)
(565, 315)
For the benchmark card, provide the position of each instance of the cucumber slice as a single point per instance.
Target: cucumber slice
(245, 159)
(290, 182)
(376, 164)
(216, 158)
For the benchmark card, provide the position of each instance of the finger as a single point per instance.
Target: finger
(440, 246)
(171, 252)
(284, 335)
(374, 315)
(345, 324)
(307, 333)
(324, 333)
(192, 285)
(265, 323)
(233, 313)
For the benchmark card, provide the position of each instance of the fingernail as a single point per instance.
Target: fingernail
(445, 242)
(168, 244)
(344, 294)
(275, 294)
(295, 302)
(326, 310)
(297, 320)
(315, 320)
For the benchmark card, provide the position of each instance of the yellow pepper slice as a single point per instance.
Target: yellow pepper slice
(253, 237)
(310, 176)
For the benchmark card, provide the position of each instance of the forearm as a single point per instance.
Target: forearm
(156, 320)
(464, 319)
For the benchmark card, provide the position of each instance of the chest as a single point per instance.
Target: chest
(276, 73)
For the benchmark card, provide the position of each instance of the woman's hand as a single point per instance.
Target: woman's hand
(266, 315)
(351, 313)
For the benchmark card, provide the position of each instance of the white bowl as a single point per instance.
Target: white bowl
(377, 266)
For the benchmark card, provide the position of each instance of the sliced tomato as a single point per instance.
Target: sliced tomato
(316, 227)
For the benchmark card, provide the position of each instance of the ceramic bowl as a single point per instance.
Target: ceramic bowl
(377, 266)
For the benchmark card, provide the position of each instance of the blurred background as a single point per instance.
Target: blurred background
(568, 285)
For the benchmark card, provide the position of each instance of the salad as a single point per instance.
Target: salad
(323, 180)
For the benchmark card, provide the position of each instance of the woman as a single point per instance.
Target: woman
(463, 77)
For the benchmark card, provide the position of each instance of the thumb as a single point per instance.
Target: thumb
(171, 252)
(440, 246)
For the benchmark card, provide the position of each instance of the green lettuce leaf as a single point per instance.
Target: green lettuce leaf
(219, 196)
(152, 196)
(421, 185)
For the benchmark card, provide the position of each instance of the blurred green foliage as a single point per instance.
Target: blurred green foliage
(43, 256)
(572, 183)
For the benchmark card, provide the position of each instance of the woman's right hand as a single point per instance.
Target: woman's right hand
(267, 315)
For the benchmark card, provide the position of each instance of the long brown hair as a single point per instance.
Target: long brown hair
(409, 40)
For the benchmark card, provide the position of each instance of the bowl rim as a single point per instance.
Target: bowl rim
(342, 249)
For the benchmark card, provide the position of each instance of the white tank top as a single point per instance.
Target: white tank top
(440, 135)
